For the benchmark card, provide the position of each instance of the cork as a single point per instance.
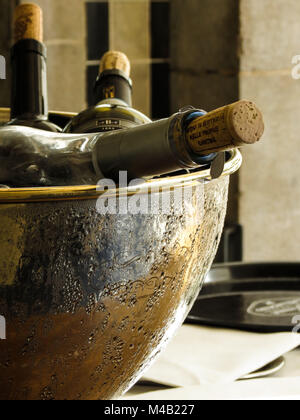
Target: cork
(234, 125)
(115, 60)
(28, 22)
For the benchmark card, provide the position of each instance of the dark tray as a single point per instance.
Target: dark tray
(262, 297)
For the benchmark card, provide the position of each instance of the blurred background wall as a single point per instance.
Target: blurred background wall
(6, 7)
(269, 180)
(200, 52)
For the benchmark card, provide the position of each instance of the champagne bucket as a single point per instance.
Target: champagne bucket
(90, 298)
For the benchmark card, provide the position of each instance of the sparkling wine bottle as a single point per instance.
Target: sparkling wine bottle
(30, 157)
(29, 102)
(113, 103)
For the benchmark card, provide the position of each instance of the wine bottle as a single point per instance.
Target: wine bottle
(112, 109)
(30, 157)
(29, 102)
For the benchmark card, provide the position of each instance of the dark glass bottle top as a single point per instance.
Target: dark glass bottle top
(28, 45)
(112, 109)
(113, 84)
(29, 104)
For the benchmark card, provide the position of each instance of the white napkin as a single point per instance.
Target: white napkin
(260, 389)
(201, 355)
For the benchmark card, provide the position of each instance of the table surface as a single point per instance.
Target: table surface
(291, 369)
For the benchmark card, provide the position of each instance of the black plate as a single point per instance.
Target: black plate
(254, 297)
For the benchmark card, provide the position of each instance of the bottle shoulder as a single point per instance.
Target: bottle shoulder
(106, 117)
(41, 124)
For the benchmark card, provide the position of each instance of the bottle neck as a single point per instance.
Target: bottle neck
(113, 85)
(29, 80)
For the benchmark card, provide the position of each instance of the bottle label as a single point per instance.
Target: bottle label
(111, 85)
(109, 124)
(109, 92)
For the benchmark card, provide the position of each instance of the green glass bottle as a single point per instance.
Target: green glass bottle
(29, 100)
(113, 92)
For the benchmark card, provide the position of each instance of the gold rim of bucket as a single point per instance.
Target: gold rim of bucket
(84, 192)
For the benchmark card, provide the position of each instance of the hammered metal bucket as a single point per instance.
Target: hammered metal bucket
(90, 299)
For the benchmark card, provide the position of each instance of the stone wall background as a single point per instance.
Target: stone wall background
(269, 179)
(65, 38)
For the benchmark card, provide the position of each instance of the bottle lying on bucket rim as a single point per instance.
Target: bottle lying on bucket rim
(34, 158)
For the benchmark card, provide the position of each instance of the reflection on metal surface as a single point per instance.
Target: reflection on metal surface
(4, 115)
(267, 370)
(275, 307)
(91, 191)
(90, 300)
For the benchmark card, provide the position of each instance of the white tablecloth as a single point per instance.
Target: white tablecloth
(206, 363)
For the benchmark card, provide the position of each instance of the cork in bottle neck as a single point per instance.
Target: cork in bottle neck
(28, 22)
(115, 60)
